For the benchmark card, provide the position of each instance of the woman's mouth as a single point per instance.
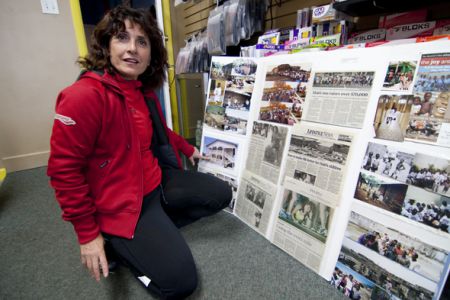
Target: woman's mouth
(131, 60)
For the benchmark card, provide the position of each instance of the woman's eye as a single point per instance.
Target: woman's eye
(122, 36)
(142, 43)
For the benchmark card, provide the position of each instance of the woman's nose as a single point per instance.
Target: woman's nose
(132, 46)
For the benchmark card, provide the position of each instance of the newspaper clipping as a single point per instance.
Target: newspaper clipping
(266, 150)
(302, 228)
(430, 115)
(317, 160)
(339, 98)
(255, 201)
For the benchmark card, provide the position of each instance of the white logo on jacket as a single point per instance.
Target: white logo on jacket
(65, 120)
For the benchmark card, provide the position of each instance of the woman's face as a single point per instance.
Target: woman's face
(130, 51)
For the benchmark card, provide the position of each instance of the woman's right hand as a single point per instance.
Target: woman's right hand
(93, 257)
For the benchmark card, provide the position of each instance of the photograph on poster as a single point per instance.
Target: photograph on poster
(319, 149)
(399, 76)
(430, 173)
(216, 91)
(304, 177)
(274, 145)
(344, 80)
(240, 84)
(433, 74)
(312, 217)
(218, 152)
(381, 192)
(215, 117)
(244, 67)
(220, 70)
(408, 251)
(387, 161)
(236, 100)
(237, 125)
(385, 284)
(289, 72)
(352, 284)
(392, 117)
(257, 197)
(279, 112)
(260, 129)
(427, 208)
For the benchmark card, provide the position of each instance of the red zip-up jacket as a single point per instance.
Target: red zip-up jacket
(95, 161)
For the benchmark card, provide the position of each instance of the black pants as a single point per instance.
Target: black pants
(158, 251)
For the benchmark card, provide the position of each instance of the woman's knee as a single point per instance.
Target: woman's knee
(179, 285)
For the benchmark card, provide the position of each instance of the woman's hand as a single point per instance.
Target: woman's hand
(196, 155)
(93, 257)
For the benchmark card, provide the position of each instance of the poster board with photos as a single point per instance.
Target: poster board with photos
(355, 90)
(227, 115)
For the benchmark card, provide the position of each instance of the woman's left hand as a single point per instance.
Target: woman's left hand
(196, 155)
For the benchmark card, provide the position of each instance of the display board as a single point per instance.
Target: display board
(344, 164)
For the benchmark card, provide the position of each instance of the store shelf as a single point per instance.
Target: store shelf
(374, 7)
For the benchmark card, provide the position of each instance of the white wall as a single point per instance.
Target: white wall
(37, 53)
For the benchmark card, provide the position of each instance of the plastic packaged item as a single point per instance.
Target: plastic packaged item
(216, 32)
(198, 134)
(231, 12)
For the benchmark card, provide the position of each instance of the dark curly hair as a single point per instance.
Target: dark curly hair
(113, 23)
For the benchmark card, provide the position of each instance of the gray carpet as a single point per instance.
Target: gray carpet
(39, 255)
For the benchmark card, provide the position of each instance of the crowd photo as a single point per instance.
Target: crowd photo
(430, 173)
(347, 80)
(427, 208)
(287, 72)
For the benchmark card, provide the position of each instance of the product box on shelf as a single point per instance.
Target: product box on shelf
(416, 16)
(442, 27)
(326, 13)
(411, 30)
(367, 36)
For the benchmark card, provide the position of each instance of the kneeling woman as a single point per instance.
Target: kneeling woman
(115, 165)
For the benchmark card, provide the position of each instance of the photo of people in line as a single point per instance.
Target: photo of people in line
(344, 80)
(381, 192)
(387, 161)
(318, 149)
(427, 208)
(380, 283)
(398, 247)
(312, 217)
(392, 116)
(399, 76)
(430, 173)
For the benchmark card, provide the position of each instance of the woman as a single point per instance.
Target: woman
(116, 172)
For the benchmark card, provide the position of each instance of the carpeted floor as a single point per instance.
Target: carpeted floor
(39, 255)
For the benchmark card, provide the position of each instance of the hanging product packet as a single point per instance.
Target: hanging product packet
(216, 32)
(231, 17)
